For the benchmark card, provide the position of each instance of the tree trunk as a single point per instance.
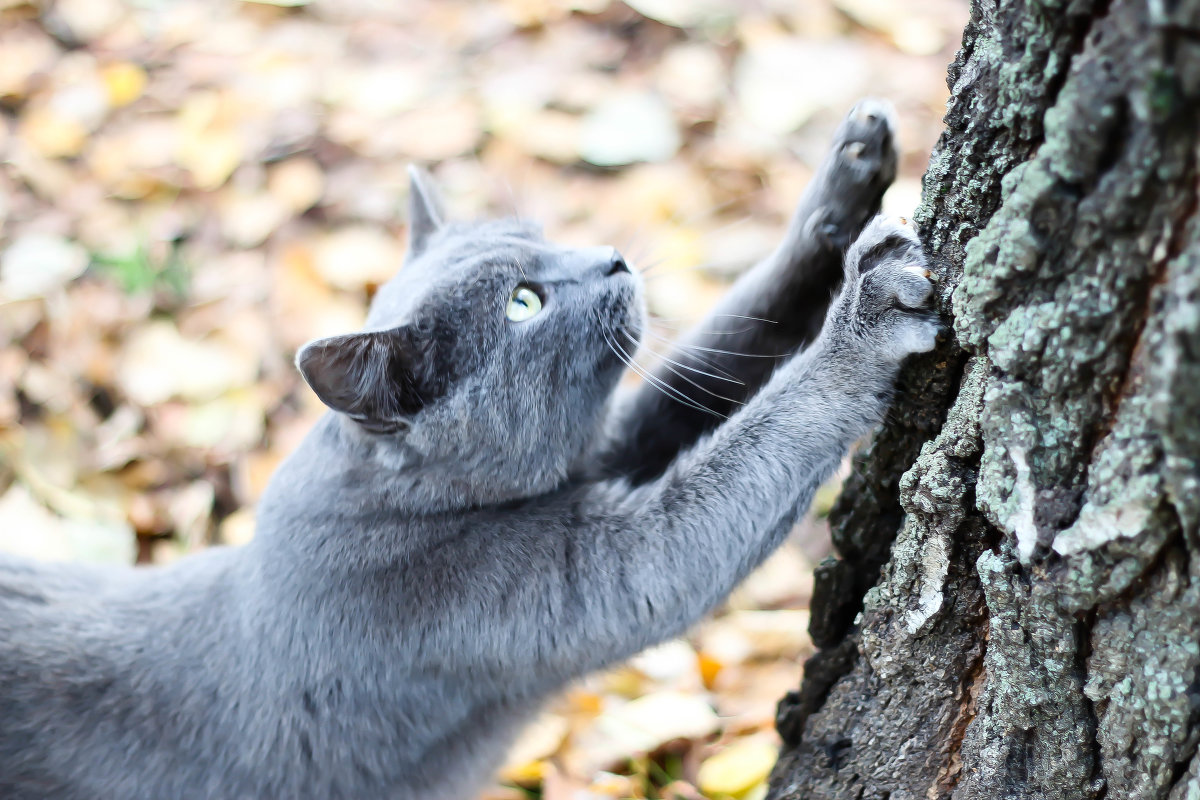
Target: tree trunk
(1033, 501)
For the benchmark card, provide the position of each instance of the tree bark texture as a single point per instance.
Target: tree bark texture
(1015, 612)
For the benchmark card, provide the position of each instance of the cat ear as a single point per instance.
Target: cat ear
(371, 377)
(425, 213)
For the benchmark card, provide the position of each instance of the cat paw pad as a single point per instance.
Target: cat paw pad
(865, 143)
(887, 305)
(861, 164)
(885, 239)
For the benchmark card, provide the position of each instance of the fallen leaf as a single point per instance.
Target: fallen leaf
(918, 37)
(627, 128)
(52, 133)
(29, 529)
(537, 741)
(36, 263)
(124, 82)
(771, 98)
(306, 305)
(25, 52)
(228, 424)
(432, 133)
(746, 635)
(86, 20)
(352, 257)
(738, 768)
(686, 13)
(916, 34)
(671, 664)
(692, 75)
(296, 183)
(552, 135)
(247, 219)
(639, 726)
(157, 363)
(209, 144)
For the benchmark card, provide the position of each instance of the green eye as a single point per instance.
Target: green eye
(523, 304)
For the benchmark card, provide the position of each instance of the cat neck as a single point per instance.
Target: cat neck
(346, 485)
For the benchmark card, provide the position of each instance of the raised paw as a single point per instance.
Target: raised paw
(885, 239)
(886, 305)
(865, 143)
(859, 168)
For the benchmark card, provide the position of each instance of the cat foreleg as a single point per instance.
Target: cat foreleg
(772, 311)
(658, 556)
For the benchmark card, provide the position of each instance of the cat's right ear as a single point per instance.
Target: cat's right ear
(374, 377)
(425, 215)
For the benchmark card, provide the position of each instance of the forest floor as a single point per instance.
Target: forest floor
(189, 190)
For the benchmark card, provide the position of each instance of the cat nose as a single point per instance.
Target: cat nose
(616, 264)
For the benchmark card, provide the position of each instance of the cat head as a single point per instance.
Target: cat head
(488, 358)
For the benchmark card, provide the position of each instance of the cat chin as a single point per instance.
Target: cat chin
(631, 306)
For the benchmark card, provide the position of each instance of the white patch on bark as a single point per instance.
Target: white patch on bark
(935, 564)
(1098, 525)
(1020, 522)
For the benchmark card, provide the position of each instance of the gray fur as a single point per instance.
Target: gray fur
(477, 523)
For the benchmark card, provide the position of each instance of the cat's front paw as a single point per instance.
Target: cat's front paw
(860, 166)
(886, 302)
(864, 147)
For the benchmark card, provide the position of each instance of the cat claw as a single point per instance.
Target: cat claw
(927, 274)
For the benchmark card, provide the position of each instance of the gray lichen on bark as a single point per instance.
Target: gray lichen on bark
(1034, 501)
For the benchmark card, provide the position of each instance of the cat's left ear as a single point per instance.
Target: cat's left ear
(425, 214)
(376, 377)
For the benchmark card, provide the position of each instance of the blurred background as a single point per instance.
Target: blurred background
(190, 189)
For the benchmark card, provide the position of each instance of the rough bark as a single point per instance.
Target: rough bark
(1015, 612)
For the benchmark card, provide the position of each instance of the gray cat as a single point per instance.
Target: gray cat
(478, 521)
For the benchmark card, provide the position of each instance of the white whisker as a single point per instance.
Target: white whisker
(657, 322)
(699, 386)
(726, 377)
(707, 361)
(727, 352)
(657, 383)
(721, 316)
(700, 348)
